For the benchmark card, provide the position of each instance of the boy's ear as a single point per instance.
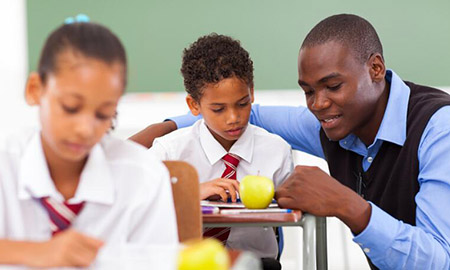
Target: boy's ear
(33, 89)
(193, 105)
(252, 94)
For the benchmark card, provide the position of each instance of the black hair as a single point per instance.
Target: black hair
(350, 30)
(89, 39)
(213, 58)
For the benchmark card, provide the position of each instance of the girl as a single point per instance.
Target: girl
(69, 188)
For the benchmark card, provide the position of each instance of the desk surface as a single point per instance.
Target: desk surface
(262, 219)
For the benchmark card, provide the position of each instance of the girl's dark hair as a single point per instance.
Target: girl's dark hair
(89, 39)
(213, 58)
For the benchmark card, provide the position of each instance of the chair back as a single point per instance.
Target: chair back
(186, 196)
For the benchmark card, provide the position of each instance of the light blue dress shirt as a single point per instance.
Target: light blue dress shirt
(388, 242)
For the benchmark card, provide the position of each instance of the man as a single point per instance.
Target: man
(387, 144)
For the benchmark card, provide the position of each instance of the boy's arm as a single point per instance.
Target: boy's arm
(68, 248)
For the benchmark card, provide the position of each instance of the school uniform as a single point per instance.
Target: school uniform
(260, 153)
(126, 193)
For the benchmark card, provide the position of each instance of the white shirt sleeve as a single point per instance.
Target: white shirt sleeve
(286, 168)
(155, 221)
(159, 150)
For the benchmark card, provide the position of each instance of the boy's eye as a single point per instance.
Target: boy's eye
(335, 87)
(69, 109)
(217, 110)
(243, 104)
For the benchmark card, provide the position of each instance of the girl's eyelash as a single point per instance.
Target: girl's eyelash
(69, 109)
(102, 116)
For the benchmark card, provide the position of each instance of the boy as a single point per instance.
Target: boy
(218, 76)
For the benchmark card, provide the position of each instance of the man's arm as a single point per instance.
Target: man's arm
(146, 136)
(427, 244)
(388, 242)
(296, 125)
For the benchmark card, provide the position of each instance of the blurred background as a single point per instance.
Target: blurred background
(415, 36)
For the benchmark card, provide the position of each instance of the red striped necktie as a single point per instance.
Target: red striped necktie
(61, 214)
(231, 162)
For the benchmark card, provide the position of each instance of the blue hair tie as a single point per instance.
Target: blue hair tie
(80, 18)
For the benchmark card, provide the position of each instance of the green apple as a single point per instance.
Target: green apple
(256, 191)
(203, 254)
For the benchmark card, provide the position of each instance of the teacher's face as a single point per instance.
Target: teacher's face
(340, 90)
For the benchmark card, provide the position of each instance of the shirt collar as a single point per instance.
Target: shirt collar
(96, 183)
(214, 151)
(393, 125)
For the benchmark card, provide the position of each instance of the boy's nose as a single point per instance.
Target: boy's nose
(233, 117)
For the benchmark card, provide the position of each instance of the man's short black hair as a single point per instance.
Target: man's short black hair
(213, 58)
(350, 30)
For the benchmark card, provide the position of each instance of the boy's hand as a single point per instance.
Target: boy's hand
(222, 187)
(67, 248)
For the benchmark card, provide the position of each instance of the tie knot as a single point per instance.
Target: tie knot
(231, 159)
(61, 214)
(231, 162)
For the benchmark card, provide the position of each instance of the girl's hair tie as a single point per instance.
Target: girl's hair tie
(80, 18)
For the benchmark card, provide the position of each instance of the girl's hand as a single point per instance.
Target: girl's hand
(222, 187)
(67, 248)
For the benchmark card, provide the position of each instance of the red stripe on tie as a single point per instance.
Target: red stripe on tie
(231, 162)
(60, 214)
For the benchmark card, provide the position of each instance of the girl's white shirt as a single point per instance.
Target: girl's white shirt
(126, 190)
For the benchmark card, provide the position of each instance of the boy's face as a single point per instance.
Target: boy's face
(77, 105)
(340, 90)
(226, 107)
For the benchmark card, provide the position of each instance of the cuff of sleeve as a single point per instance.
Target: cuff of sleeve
(378, 236)
(184, 120)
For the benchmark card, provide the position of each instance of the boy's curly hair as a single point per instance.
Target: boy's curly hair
(211, 59)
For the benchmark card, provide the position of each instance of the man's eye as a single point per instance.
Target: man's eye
(335, 87)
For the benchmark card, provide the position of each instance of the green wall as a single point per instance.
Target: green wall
(415, 34)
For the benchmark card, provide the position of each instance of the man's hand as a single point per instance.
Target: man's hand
(67, 248)
(221, 187)
(313, 191)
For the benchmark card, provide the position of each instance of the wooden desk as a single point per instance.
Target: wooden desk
(314, 231)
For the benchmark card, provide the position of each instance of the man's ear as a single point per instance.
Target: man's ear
(193, 105)
(33, 89)
(377, 67)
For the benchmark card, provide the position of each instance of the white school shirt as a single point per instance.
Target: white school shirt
(127, 194)
(261, 153)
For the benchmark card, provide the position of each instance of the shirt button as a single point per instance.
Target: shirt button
(366, 250)
(370, 159)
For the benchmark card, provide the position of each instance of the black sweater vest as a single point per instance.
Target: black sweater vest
(391, 180)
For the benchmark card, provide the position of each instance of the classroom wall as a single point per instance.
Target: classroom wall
(415, 34)
(13, 67)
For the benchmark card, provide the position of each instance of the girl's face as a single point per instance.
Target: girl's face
(77, 104)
